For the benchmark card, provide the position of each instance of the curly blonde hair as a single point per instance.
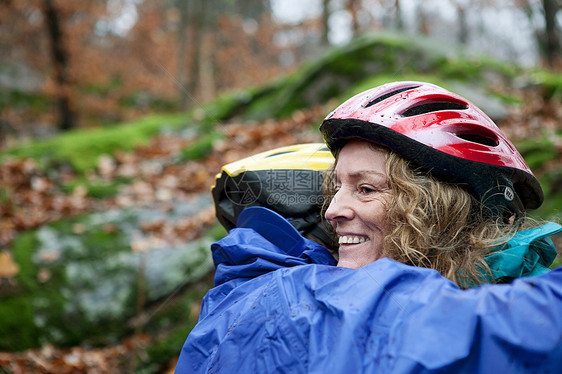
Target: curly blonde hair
(436, 225)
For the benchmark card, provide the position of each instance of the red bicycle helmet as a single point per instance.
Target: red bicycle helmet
(443, 134)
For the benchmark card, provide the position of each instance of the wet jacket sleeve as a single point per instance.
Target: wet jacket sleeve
(269, 316)
(244, 254)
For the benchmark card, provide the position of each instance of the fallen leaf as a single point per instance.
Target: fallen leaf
(8, 268)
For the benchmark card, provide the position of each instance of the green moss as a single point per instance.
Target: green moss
(97, 189)
(551, 208)
(4, 195)
(102, 88)
(142, 99)
(201, 147)
(537, 151)
(460, 69)
(102, 191)
(23, 249)
(265, 100)
(19, 99)
(18, 326)
(181, 319)
(82, 148)
(387, 78)
(217, 232)
(463, 68)
(78, 284)
(371, 57)
(36, 304)
(17, 321)
(99, 239)
(48, 310)
(223, 108)
(550, 81)
(508, 99)
(236, 104)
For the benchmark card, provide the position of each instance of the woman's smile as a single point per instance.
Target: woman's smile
(352, 239)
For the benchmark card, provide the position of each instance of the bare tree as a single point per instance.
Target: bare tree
(423, 22)
(353, 7)
(206, 78)
(552, 46)
(183, 8)
(548, 38)
(61, 66)
(190, 39)
(398, 15)
(463, 34)
(197, 41)
(325, 22)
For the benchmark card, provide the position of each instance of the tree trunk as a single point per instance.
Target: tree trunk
(352, 6)
(423, 22)
(206, 76)
(398, 13)
(463, 25)
(553, 49)
(325, 22)
(182, 54)
(59, 56)
(207, 72)
(196, 19)
(207, 81)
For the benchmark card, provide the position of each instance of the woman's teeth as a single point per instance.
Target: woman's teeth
(352, 239)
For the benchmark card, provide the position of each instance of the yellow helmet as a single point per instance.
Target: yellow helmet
(287, 180)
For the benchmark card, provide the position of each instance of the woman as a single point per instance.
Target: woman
(422, 177)
(453, 185)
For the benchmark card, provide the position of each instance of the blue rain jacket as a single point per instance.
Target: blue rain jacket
(281, 306)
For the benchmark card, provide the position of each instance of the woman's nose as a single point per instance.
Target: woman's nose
(340, 207)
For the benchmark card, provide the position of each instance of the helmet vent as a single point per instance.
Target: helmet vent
(480, 139)
(390, 94)
(433, 107)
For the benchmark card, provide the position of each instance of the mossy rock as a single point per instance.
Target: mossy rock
(80, 149)
(79, 279)
(376, 57)
(537, 151)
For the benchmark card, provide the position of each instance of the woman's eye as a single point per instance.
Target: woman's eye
(366, 190)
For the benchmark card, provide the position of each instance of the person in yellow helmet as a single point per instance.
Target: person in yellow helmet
(287, 180)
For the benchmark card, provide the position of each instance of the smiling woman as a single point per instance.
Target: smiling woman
(358, 207)
(427, 197)
(408, 210)
(459, 189)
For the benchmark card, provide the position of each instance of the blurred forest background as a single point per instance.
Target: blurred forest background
(66, 65)
(116, 115)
